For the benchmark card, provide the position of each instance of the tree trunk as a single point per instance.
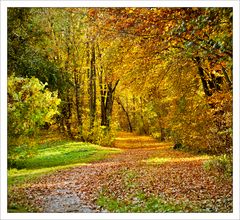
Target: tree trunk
(229, 82)
(142, 118)
(127, 115)
(92, 86)
(162, 138)
(107, 99)
(202, 76)
(78, 103)
(68, 115)
(107, 94)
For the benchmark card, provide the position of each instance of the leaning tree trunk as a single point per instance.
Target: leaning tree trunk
(126, 113)
(211, 82)
(203, 77)
(229, 82)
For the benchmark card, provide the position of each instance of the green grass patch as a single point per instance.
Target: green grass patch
(57, 154)
(29, 163)
(140, 203)
(16, 176)
(15, 208)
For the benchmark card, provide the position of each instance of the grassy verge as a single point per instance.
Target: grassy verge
(29, 163)
(141, 203)
(16, 177)
(59, 153)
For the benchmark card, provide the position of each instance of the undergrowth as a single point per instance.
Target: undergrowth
(222, 164)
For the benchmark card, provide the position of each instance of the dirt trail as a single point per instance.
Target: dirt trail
(182, 177)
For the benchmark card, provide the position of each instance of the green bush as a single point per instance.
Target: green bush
(105, 136)
(30, 106)
(220, 164)
(100, 135)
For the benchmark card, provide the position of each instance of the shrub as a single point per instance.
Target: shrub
(30, 106)
(220, 164)
(104, 136)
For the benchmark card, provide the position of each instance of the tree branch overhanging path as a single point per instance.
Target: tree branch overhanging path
(120, 109)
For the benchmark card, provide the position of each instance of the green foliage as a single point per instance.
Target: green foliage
(30, 105)
(100, 135)
(25, 59)
(104, 136)
(222, 164)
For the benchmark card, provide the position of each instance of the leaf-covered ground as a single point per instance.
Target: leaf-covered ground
(146, 177)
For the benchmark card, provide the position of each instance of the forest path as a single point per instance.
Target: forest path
(155, 167)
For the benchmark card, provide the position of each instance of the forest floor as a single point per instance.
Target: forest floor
(147, 176)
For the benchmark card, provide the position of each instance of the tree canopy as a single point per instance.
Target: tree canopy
(166, 72)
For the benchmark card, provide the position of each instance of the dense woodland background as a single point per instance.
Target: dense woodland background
(120, 109)
(165, 72)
